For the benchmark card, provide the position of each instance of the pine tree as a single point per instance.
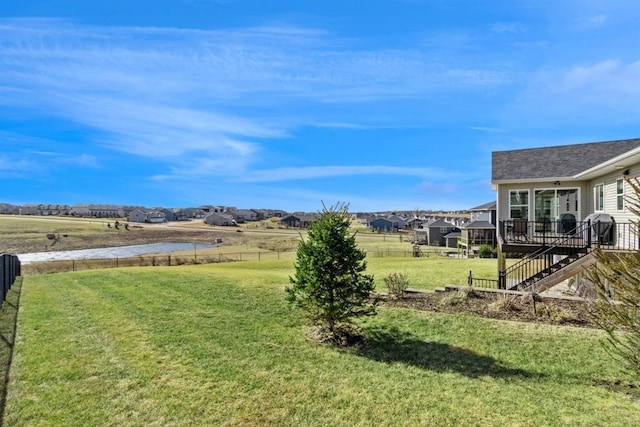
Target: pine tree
(330, 283)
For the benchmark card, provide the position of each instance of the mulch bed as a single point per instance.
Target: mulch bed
(495, 305)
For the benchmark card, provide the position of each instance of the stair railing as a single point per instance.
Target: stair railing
(576, 240)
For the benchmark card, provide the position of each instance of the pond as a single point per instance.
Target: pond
(112, 252)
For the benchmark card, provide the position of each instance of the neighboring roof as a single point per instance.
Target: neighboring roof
(486, 225)
(437, 223)
(486, 207)
(453, 235)
(299, 217)
(381, 219)
(565, 161)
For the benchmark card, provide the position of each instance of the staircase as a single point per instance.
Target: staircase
(542, 269)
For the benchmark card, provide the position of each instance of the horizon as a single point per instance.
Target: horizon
(291, 104)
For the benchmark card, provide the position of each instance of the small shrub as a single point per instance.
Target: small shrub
(556, 314)
(507, 303)
(458, 297)
(485, 251)
(397, 283)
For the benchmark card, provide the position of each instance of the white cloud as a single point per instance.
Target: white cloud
(207, 102)
(314, 172)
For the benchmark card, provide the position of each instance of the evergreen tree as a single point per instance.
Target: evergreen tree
(329, 282)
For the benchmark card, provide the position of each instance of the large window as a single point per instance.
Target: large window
(620, 194)
(598, 197)
(553, 206)
(519, 204)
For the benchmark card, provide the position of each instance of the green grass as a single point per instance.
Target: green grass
(217, 345)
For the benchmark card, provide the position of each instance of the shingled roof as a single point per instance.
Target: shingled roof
(556, 162)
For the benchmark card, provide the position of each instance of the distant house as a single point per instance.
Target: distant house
(137, 215)
(481, 230)
(451, 240)
(433, 232)
(297, 220)
(398, 221)
(169, 214)
(246, 215)
(414, 223)
(220, 219)
(97, 211)
(6, 208)
(387, 224)
(145, 216)
(44, 210)
(156, 217)
(383, 225)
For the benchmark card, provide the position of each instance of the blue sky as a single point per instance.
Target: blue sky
(384, 105)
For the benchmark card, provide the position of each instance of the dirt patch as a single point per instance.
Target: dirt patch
(494, 305)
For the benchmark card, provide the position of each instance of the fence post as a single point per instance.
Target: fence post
(470, 279)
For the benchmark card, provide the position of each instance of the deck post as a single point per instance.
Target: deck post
(502, 266)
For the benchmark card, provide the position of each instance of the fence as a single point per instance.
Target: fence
(10, 268)
(59, 266)
(480, 282)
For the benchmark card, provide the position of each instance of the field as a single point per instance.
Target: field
(216, 344)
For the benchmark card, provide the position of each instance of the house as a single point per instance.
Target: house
(297, 220)
(195, 213)
(452, 239)
(146, 216)
(433, 232)
(246, 215)
(220, 219)
(137, 215)
(389, 223)
(156, 217)
(383, 225)
(480, 231)
(97, 211)
(557, 203)
(169, 214)
(9, 209)
(414, 223)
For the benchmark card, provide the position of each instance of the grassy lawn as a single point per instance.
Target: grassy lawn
(217, 345)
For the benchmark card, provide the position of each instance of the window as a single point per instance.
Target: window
(519, 204)
(598, 197)
(620, 194)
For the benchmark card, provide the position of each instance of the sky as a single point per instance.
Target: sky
(385, 105)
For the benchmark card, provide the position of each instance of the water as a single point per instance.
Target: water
(111, 253)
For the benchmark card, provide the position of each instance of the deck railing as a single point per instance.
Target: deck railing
(608, 235)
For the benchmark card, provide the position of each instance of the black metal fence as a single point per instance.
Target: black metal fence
(480, 282)
(10, 268)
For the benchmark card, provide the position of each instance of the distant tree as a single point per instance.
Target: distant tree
(617, 308)
(330, 283)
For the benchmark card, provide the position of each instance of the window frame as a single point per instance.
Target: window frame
(525, 205)
(598, 197)
(620, 194)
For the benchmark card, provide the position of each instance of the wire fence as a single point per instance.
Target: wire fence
(58, 266)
